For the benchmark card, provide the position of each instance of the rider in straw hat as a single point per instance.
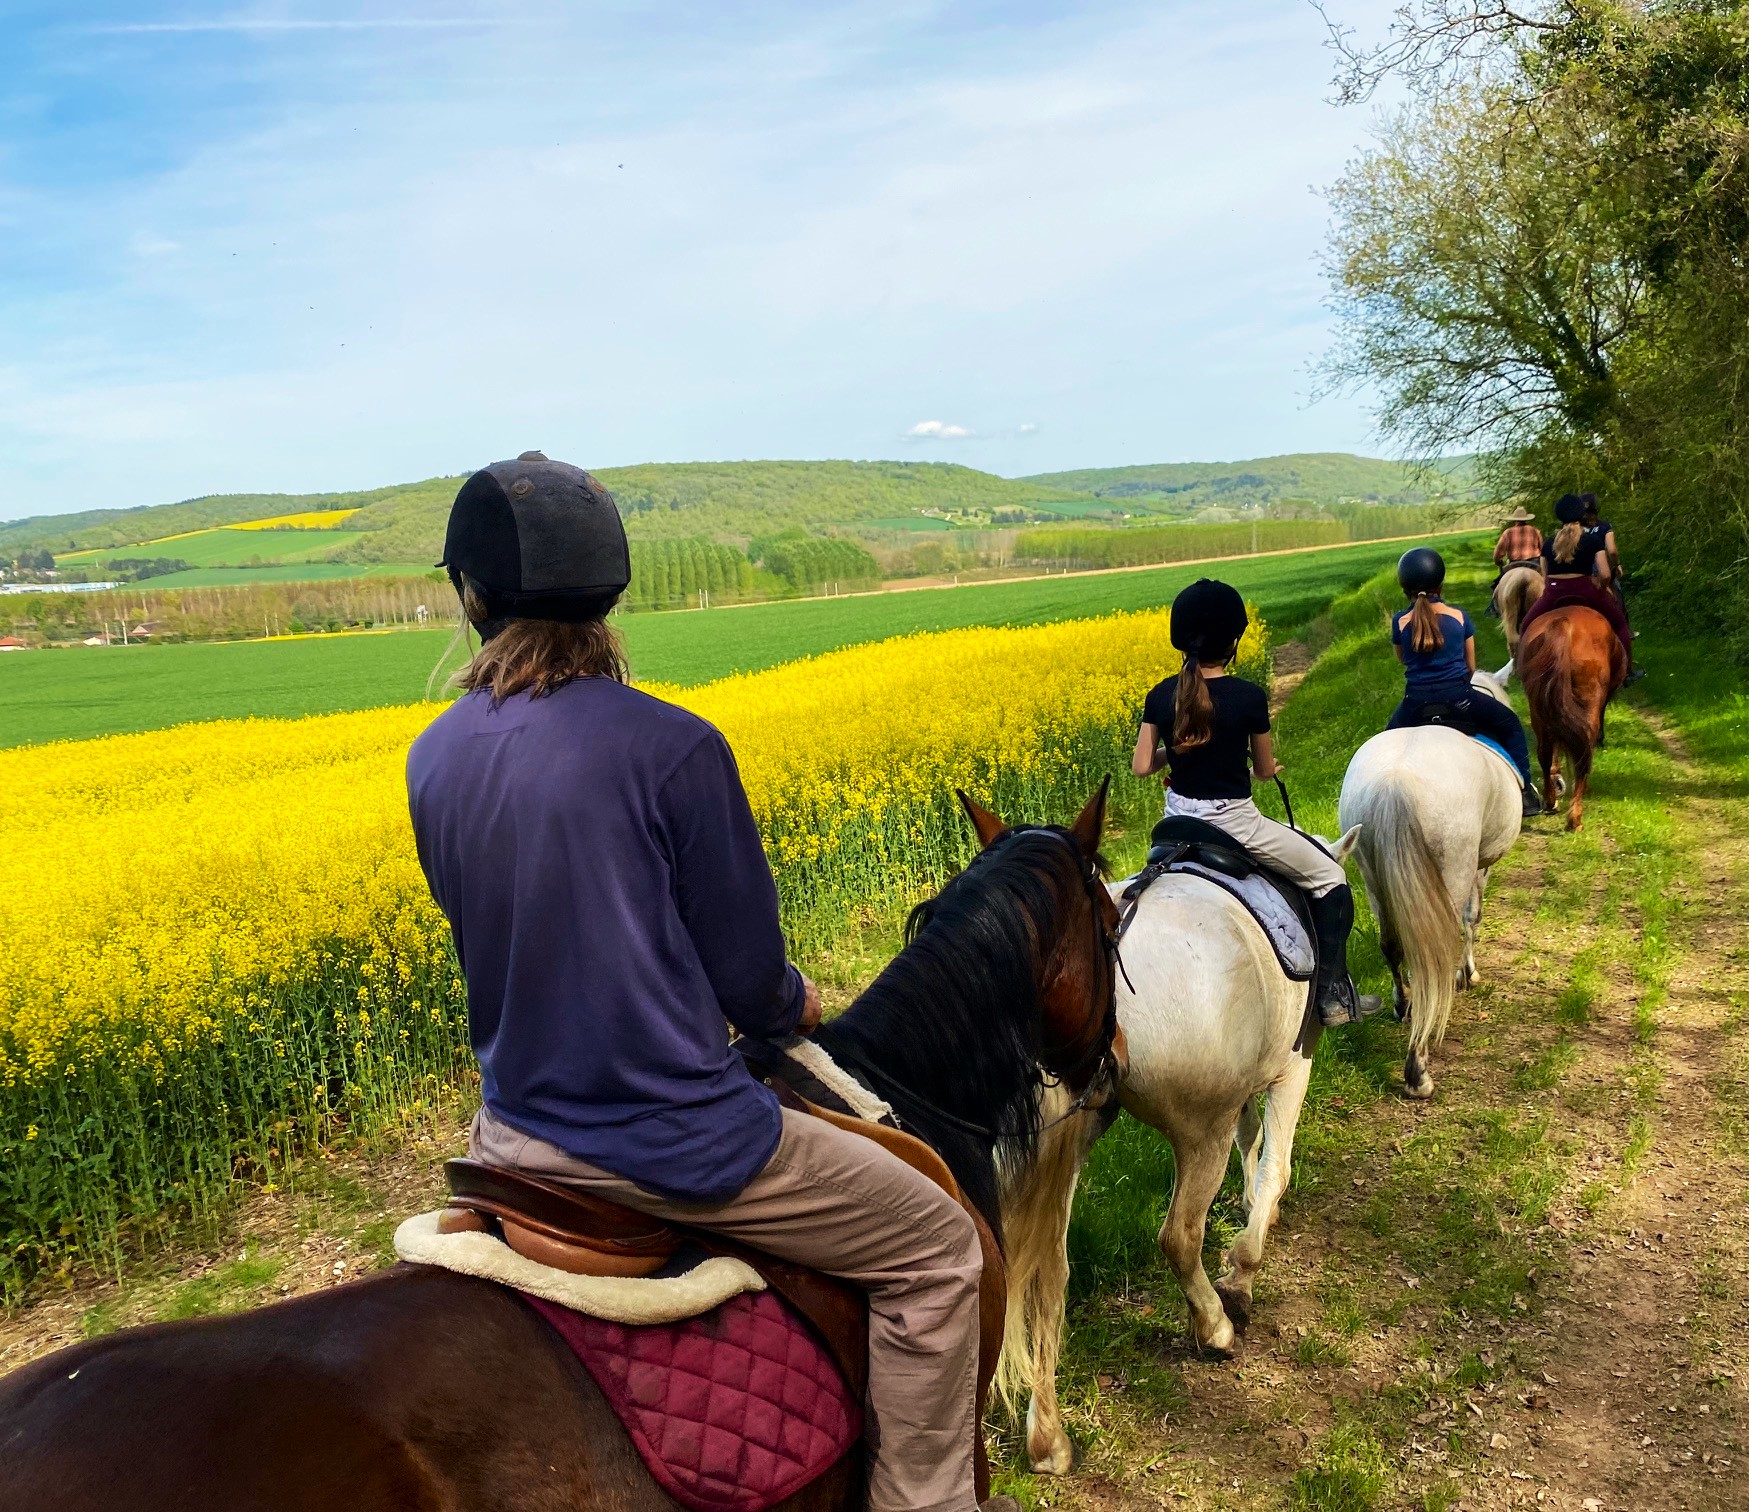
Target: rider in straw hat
(594, 852)
(1520, 541)
(1211, 731)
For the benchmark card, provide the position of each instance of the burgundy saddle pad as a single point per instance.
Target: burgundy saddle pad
(732, 1411)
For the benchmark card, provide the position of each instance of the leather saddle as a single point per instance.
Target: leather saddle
(1181, 843)
(1178, 837)
(569, 1230)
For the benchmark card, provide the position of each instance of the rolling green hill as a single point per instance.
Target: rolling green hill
(102, 528)
(1316, 477)
(225, 548)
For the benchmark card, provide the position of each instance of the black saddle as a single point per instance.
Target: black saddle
(1178, 838)
(1180, 843)
(1447, 716)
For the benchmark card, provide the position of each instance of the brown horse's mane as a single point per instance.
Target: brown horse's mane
(955, 1020)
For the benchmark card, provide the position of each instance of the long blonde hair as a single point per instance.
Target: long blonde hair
(1566, 543)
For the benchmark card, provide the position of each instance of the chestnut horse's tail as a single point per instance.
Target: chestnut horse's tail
(1562, 717)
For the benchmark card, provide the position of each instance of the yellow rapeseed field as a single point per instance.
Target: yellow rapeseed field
(310, 519)
(220, 943)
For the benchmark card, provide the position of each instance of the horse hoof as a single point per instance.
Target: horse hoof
(1236, 1305)
(1419, 1091)
(1221, 1341)
(1058, 1459)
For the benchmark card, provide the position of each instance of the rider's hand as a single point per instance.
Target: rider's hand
(810, 1019)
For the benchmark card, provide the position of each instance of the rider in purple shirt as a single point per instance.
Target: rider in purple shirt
(599, 983)
(614, 915)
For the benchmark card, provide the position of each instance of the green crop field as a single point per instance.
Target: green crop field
(74, 694)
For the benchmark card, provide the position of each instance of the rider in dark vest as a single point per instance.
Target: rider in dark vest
(1211, 731)
(613, 912)
(1436, 644)
(1600, 536)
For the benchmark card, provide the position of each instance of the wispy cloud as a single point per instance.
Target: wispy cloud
(278, 24)
(266, 263)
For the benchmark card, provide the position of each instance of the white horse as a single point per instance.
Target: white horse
(1519, 587)
(1213, 1026)
(1437, 810)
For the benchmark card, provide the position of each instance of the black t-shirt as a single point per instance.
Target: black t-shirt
(1584, 554)
(1222, 767)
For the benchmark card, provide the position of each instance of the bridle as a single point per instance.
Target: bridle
(1100, 1057)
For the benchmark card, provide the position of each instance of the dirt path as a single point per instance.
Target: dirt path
(1533, 1292)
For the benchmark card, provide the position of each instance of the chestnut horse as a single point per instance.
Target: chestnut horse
(421, 1389)
(1571, 662)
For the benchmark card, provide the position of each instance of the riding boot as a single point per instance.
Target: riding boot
(1533, 802)
(1338, 1002)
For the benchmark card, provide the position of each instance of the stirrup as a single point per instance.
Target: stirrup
(1339, 1003)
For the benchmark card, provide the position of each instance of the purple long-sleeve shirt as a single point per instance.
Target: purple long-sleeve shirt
(597, 860)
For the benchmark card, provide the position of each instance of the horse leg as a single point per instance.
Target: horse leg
(1472, 918)
(1581, 764)
(1392, 948)
(1417, 1084)
(1202, 1165)
(1281, 1117)
(1545, 755)
(1036, 1219)
(1248, 1140)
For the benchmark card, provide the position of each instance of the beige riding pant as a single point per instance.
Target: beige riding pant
(1274, 844)
(841, 1204)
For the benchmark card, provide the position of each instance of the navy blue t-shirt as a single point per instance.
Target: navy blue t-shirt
(598, 863)
(1442, 673)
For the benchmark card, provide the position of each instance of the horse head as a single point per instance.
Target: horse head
(1080, 1039)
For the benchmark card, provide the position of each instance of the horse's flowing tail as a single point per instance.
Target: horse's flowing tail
(1560, 716)
(1035, 1231)
(1408, 890)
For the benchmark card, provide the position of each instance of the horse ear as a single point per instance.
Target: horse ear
(1089, 824)
(1340, 850)
(1504, 675)
(984, 822)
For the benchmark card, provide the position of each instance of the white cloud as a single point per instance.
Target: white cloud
(1027, 428)
(937, 430)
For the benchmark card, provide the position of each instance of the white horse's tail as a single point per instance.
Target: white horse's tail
(1035, 1231)
(1414, 909)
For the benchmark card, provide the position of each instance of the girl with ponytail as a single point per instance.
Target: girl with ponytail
(1436, 644)
(1575, 568)
(1210, 730)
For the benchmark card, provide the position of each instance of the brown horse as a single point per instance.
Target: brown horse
(1519, 587)
(1571, 662)
(420, 1389)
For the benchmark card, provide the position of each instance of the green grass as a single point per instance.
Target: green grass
(78, 693)
(224, 547)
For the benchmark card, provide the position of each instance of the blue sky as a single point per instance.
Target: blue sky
(302, 246)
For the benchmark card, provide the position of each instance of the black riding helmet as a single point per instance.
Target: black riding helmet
(1207, 620)
(1421, 570)
(537, 539)
(1570, 508)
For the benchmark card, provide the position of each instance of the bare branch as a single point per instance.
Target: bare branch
(1425, 45)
